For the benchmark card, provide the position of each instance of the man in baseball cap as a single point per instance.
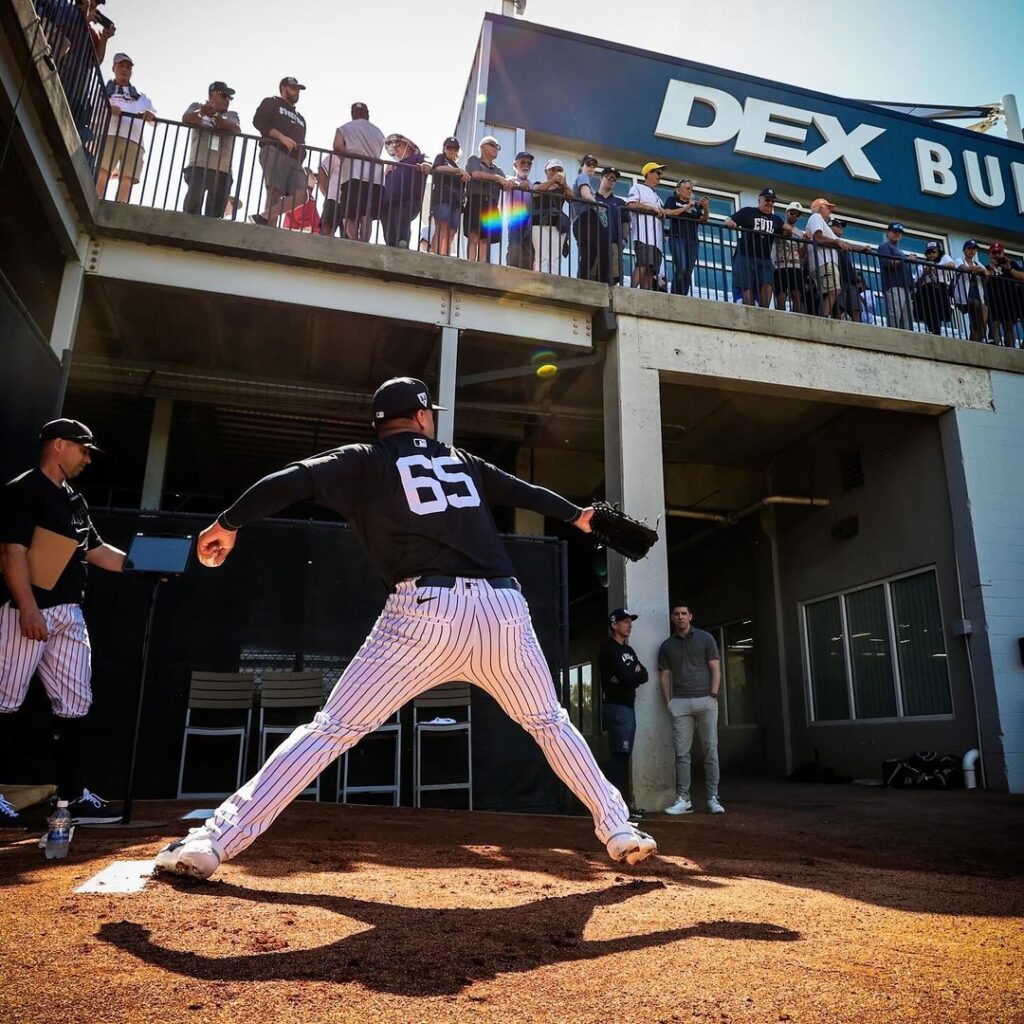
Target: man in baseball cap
(41, 622)
(621, 674)
(207, 169)
(401, 396)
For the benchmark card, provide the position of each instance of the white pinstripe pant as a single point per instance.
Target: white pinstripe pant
(425, 637)
(63, 660)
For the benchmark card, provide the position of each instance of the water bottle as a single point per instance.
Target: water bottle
(58, 836)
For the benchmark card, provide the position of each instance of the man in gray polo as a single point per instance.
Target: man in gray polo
(690, 672)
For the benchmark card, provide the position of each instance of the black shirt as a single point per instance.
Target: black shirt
(419, 506)
(685, 225)
(446, 188)
(758, 229)
(273, 113)
(405, 185)
(547, 207)
(621, 673)
(32, 500)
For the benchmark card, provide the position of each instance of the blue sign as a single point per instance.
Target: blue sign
(805, 144)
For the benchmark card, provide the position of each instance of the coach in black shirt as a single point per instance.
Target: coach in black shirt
(282, 151)
(42, 630)
(621, 674)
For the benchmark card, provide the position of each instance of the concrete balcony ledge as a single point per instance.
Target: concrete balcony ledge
(801, 327)
(248, 241)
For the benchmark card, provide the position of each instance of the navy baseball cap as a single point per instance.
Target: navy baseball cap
(222, 87)
(767, 193)
(401, 396)
(895, 226)
(971, 244)
(290, 80)
(523, 155)
(68, 430)
(933, 247)
(619, 615)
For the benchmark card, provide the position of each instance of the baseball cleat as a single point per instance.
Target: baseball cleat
(195, 856)
(631, 846)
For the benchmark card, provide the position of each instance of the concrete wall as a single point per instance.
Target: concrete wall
(904, 521)
(984, 460)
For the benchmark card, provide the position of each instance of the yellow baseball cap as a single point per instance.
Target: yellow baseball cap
(651, 165)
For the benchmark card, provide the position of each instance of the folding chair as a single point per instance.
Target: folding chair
(217, 692)
(430, 705)
(289, 691)
(392, 727)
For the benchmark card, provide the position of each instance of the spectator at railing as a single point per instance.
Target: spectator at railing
(549, 228)
(932, 288)
(753, 270)
(897, 278)
(404, 185)
(482, 219)
(823, 257)
(520, 206)
(682, 215)
(788, 257)
(1006, 294)
(101, 29)
(447, 195)
(867, 301)
(586, 226)
(848, 302)
(615, 228)
(123, 154)
(647, 213)
(969, 290)
(211, 144)
(282, 150)
(359, 142)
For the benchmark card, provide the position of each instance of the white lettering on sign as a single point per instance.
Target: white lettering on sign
(995, 194)
(757, 121)
(935, 168)
(1017, 173)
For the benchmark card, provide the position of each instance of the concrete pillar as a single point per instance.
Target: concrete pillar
(156, 457)
(635, 478)
(983, 453)
(69, 302)
(446, 383)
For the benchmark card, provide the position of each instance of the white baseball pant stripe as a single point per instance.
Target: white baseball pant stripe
(425, 637)
(63, 660)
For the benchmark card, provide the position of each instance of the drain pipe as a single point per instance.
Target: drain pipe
(977, 761)
(732, 518)
(970, 764)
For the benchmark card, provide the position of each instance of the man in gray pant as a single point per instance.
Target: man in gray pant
(690, 672)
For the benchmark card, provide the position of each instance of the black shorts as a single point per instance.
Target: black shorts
(359, 198)
(647, 255)
(789, 279)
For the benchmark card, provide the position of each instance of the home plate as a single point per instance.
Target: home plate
(121, 876)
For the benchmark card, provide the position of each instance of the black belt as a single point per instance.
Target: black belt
(447, 582)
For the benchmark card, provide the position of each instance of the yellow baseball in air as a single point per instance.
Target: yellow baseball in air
(546, 371)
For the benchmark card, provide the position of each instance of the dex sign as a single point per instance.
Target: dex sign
(777, 131)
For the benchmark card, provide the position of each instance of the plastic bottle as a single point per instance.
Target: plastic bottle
(58, 836)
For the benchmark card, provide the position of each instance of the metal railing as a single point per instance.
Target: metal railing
(205, 170)
(73, 56)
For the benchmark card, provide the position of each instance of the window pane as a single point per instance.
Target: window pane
(828, 668)
(870, 654)
(920, 646)
(742, 695)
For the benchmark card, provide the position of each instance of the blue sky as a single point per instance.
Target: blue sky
(410, 60)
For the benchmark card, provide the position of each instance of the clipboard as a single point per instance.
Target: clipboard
(48, 556)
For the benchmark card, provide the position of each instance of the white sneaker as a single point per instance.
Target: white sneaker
(197, 856)
(681, 806)
(631, 846)
(714, 807)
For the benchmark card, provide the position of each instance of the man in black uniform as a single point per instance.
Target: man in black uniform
(43, 630)
(455, 611)
(621, 674)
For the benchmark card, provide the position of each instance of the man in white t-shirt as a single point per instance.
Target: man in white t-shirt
(823, 255)
(646, 214)
(123, 152)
